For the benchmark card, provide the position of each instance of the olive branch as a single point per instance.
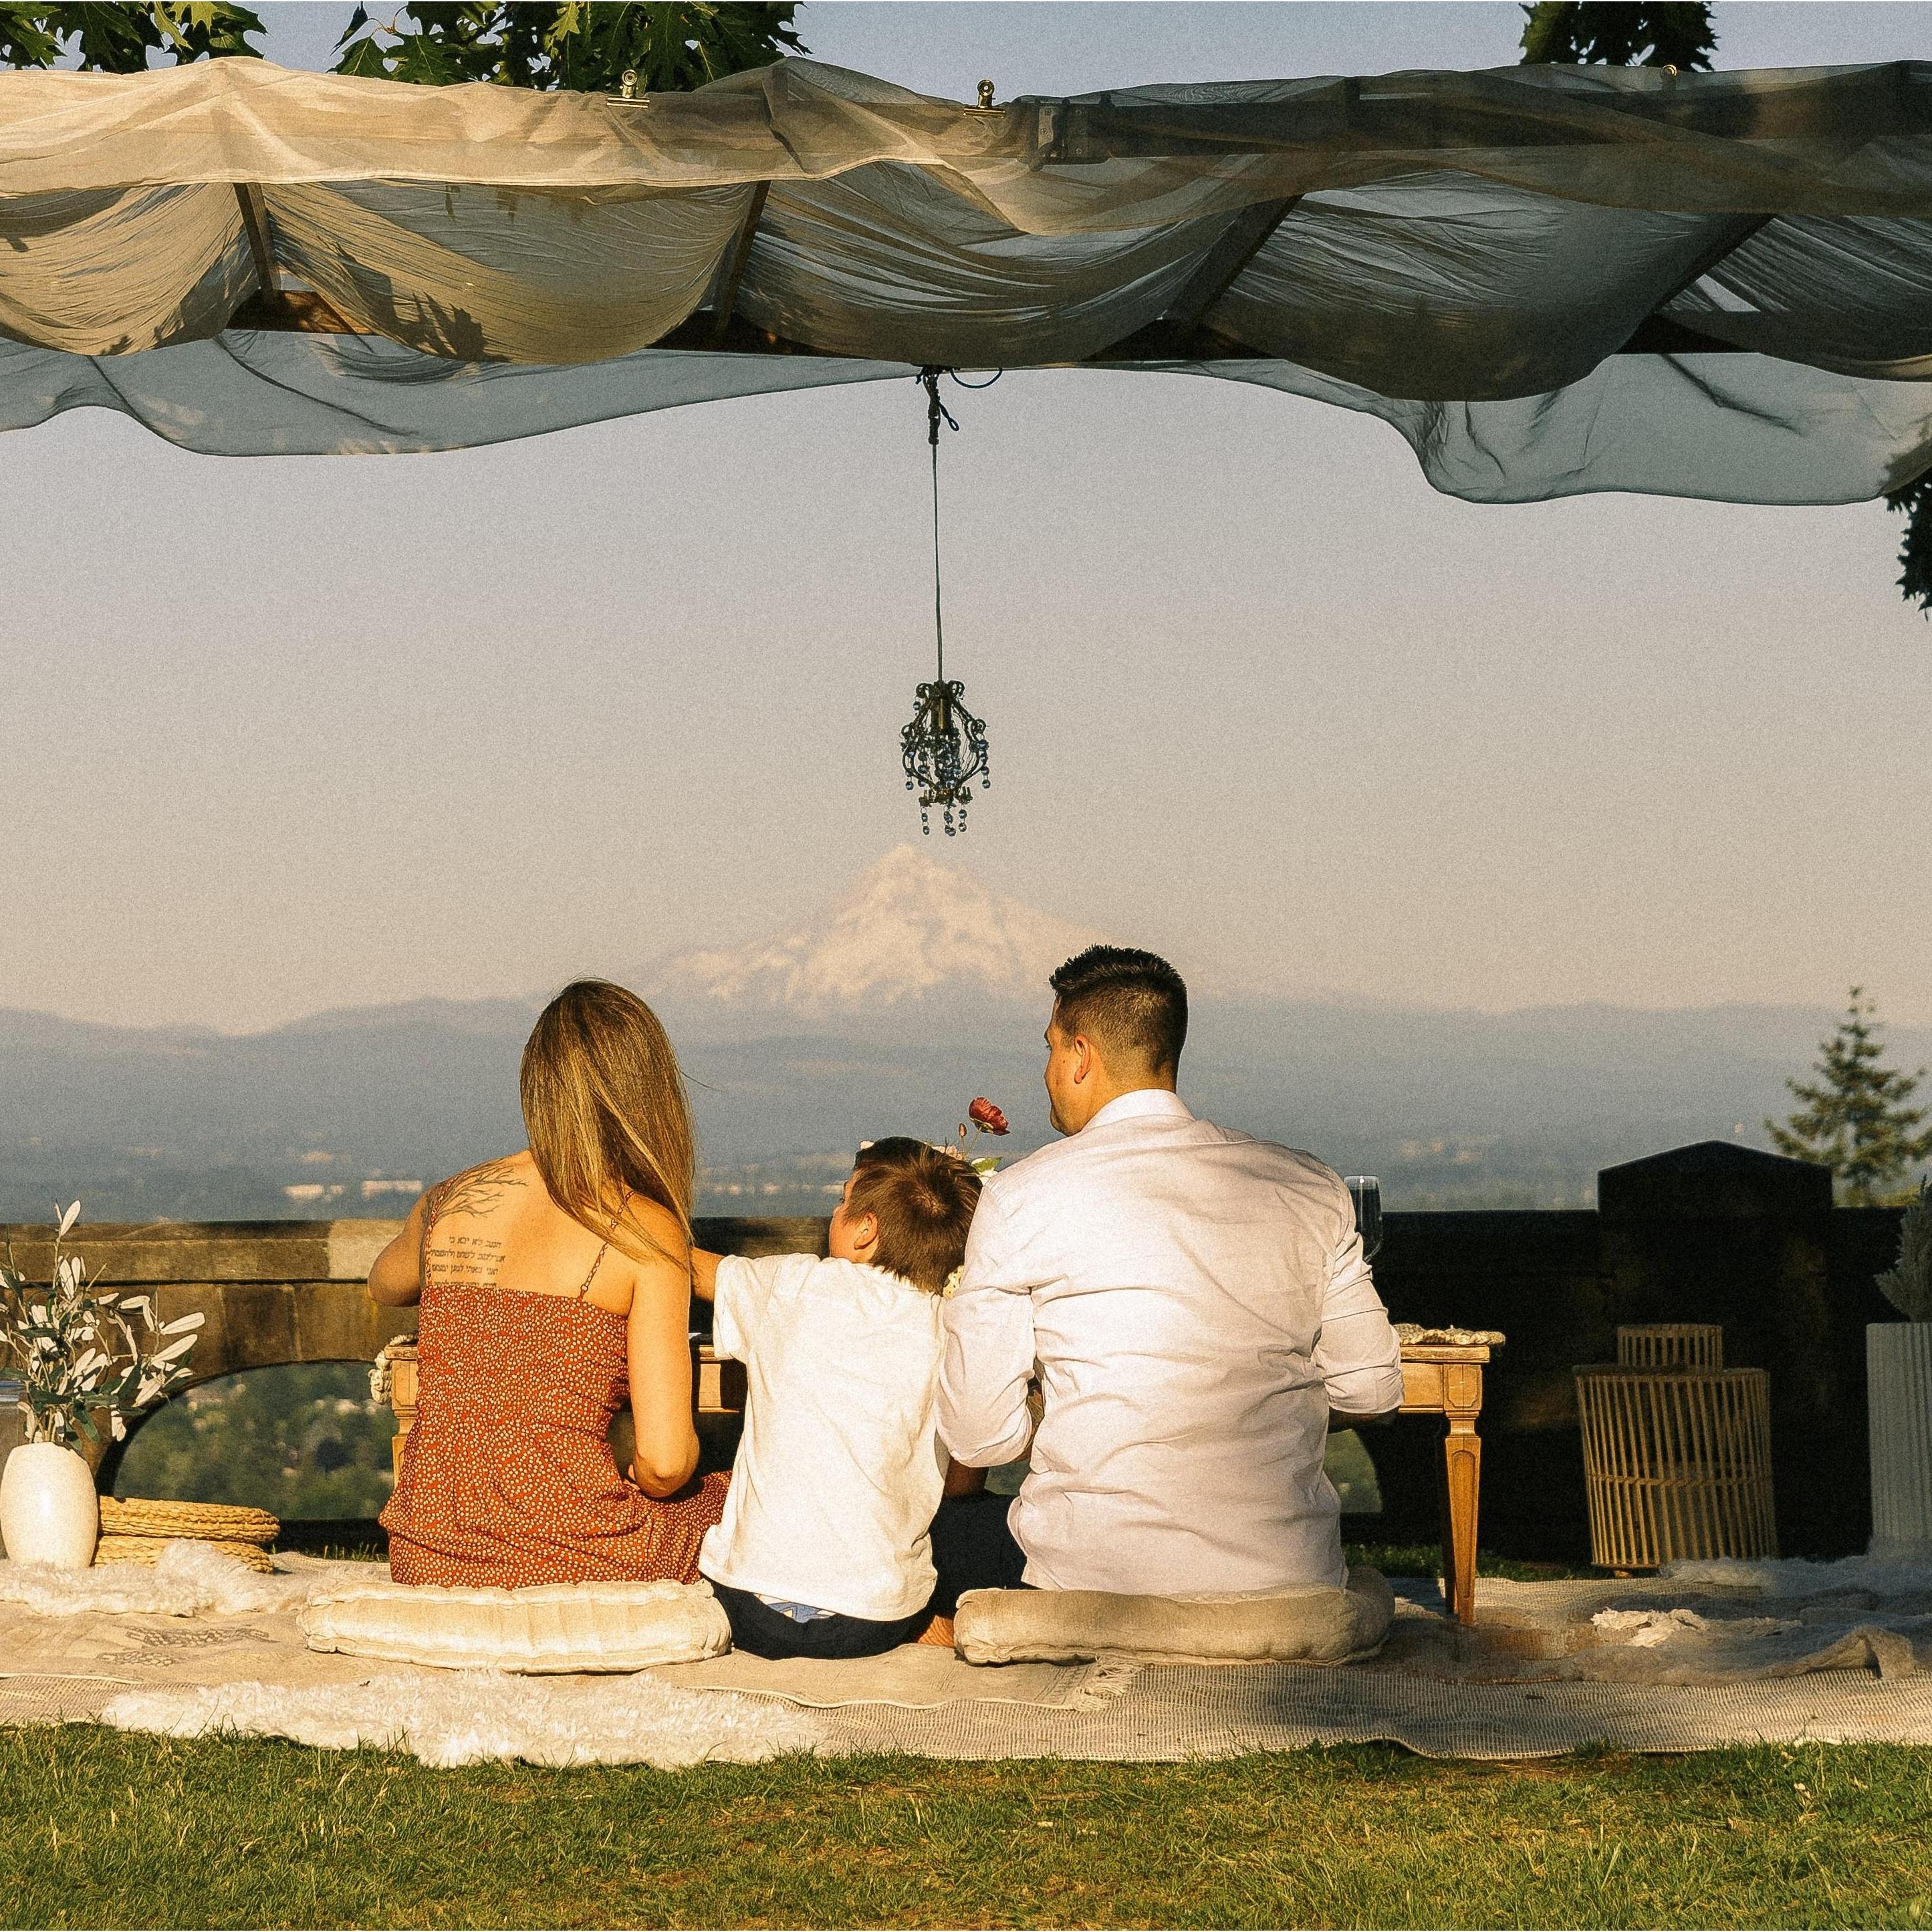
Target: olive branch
(76, 1351)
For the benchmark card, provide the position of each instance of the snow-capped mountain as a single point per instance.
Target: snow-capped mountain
(907, 929)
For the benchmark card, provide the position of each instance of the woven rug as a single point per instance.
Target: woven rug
(1715, 1655)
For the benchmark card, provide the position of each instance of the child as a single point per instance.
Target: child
(824, 1548)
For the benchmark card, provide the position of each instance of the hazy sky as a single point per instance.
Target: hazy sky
(286, 733)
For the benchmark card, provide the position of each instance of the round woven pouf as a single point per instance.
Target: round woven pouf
(147, 1549)
(134, 1530)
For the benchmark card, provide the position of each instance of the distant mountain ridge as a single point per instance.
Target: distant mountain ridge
(917, 988)
(907, 929)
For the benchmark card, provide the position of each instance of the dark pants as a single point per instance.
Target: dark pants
(757, 1627)
(973, 1550)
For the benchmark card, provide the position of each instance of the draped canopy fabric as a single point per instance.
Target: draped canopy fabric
(1549, 279)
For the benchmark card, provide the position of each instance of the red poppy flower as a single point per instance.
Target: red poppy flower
(983, 1114)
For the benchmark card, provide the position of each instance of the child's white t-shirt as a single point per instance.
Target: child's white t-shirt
(839, 1471)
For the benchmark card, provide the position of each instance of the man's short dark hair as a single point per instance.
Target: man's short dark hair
(1129, 1003)
(923, 1198)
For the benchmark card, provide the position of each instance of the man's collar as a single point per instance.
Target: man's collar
(1143, 1103)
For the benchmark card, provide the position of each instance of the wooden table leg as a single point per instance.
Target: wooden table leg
(1462, 1488)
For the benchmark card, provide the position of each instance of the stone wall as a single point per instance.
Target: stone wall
(1712, 1233)
(1709, 1233)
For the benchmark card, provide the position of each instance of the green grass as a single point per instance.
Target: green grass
(100, 1828)
(1425, 1559)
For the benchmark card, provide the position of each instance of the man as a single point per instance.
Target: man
(1194, 1303)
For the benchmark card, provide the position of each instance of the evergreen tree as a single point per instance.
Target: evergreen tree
(1854, 1120)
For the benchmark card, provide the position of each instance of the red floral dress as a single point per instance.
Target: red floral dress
(508, 1478)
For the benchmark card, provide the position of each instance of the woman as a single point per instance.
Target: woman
(551, 1282)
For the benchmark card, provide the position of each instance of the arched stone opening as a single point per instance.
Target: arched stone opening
(305, 1440)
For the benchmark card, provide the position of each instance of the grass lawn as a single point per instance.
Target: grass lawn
(1425, 1559)
(101, 1828)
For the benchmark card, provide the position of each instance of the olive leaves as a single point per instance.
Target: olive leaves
(77, 1351)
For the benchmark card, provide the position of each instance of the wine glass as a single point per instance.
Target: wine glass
(1366, 1191)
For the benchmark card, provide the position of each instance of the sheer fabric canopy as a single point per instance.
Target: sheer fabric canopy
(1549, 279)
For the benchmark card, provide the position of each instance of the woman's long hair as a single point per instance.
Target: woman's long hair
(604, 1106)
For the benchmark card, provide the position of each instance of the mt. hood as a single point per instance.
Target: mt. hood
(907, 927)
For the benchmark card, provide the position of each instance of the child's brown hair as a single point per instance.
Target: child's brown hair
(922, 1199)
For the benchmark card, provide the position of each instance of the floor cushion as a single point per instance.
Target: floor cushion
(549, 1629)
(1318, 1626)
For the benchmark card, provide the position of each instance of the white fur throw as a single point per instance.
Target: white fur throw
(190, 1579)
(549, 1629)
(1064, 1626)
(481, 1717)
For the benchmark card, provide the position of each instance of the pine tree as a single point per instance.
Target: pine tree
(1854, 1120)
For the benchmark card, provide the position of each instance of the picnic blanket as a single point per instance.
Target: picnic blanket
(1707, 1655)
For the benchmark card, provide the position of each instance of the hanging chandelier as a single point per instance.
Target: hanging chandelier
(944, 749)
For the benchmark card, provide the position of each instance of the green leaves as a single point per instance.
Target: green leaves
(579, 48)
(1914, 550)
(1588, 33)
(76, 1353)
(27, 39)
(109, 39)
(582, 47)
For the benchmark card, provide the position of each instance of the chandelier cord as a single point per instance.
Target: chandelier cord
(943, 750)
(936, 410)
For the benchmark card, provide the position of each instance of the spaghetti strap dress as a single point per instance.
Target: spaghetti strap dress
(508, 1479)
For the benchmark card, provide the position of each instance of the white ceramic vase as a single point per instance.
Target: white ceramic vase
(1898, 1386)
(48, 1511)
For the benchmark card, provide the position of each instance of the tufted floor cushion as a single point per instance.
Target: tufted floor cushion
(547, 1630)
(1318, 1626)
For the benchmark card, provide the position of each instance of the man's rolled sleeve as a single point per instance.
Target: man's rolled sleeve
(1357, 1352)
(983, 1419)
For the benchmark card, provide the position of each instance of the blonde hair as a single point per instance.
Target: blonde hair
(604, 1106)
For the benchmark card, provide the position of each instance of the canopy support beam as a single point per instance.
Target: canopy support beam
(1216, 272)
(293, 311)
(1658, 328)
(734, 268)
(255, 225)
(1241, 241)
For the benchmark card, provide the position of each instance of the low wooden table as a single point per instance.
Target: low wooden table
(1441, 1375)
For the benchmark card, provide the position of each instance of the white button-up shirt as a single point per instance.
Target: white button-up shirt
(1194, 1302)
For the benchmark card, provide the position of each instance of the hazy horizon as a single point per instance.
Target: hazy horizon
(298, 735)
(649, 975)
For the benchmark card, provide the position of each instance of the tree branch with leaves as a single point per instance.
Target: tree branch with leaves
(583, 48)
(1578, 33)
(100, 39)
